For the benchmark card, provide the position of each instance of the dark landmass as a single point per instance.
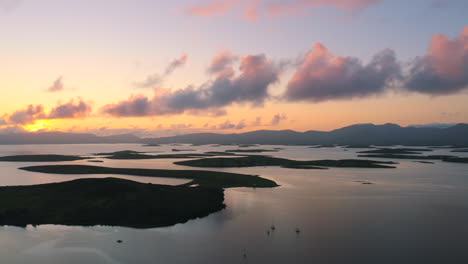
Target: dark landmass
(303, 167)
(251, 150)
(323, 146)
(398, 156)
(396, 151)
(359, 146)
(41, 158)
(177, 150)
(202, 178)
(362, 134)
(365, 182)
(160, 156)
(219, 153)
(257, 160)
(424, 162)
(64, 138)
(108, 201)
(247, 145)
(456, 159)
(151, 145)
(96, 161)
(459, 150)
(122, 152)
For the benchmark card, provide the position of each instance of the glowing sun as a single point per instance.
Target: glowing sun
(37, 126)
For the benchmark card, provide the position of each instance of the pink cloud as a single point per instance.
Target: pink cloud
(300, 6)
(212, 8)
(324, 76)
(252, 10)
(250, 85)
(222, 63)
(444, 68)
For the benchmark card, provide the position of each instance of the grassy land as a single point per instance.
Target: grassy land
(202, 178)
(41, 158)
(108, 201)
(251, 161)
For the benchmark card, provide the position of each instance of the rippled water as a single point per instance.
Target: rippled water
(417, 213)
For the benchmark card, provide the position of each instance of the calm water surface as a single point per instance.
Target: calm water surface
(417, 213)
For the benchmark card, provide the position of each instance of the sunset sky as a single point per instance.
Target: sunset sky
(157, 68)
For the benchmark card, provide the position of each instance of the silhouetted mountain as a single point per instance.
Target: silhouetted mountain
(64, 138)
(362, 134)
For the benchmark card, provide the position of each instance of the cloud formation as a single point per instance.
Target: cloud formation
(444, 68)
(324, 76)
(27, 115)
(252, 10)
(211, 8)
(277, 119)
(256, 74)
(222, 63)
(56, 86)
(176, 63)
(37, 112)
(70, 110)
(297, 7)
(156, 79)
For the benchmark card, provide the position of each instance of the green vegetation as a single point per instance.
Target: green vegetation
(257, 160)
(108, 201)
(41, 158)
(202, 178)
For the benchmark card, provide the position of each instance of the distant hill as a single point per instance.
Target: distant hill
(362, 134)
(64, 138)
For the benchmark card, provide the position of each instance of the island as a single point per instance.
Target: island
(258, 160)
(201, 178)
(108, 201)
(41, 158)
(402, 151)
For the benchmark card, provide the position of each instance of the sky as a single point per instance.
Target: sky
(157, 68)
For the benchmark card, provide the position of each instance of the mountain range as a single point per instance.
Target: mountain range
(360, 134)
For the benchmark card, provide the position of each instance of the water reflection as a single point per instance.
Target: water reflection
(417, 213)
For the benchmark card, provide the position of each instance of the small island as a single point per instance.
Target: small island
(404, 156)
(402, 151)
(258, 160)
(201, 178)
(250, 150)
(108, 201)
